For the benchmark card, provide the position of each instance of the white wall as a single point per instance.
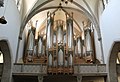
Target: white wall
(10, 30)
(98, 47)
(110, 26)
(22, 45)
(28, 4)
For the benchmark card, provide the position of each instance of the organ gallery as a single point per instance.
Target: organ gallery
(59, 45)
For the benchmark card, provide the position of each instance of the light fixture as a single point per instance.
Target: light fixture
(2, 19)
(66, 1)
(1, 3)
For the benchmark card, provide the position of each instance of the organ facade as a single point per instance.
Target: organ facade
(60, 48)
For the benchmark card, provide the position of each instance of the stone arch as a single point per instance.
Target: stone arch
(111, 64)
(34, 11)
(7, 74)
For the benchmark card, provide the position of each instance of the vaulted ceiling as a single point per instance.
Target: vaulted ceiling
(83, 11)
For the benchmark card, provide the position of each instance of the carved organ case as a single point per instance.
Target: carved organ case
(61, 49)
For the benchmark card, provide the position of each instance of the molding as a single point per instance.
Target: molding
(7, 64)
(111, 63)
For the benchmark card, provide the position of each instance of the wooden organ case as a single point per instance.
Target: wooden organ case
(60, 51)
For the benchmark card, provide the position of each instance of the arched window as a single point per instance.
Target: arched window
(118, 58)
(1, 57)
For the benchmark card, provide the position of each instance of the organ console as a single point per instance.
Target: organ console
(59, 50)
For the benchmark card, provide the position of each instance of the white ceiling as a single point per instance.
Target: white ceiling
(78, 13)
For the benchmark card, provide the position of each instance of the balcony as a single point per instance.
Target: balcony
(29, 69)
(90, 69)
(83, 69)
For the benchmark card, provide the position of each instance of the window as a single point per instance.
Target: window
(1, 57)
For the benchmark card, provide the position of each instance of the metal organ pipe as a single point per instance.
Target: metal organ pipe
(60, 57)
(79, 46)
(40, 46)
(88, 42)
(49, 32)
(59, 32)
(43, 50)
(50, 60)
(55, 63)
(60, 41)
(84, 51)
(70, 32)
(70, 39)
(65, 40)
(70, 60)
(35, 50)
(66, 63)
(54, 39)
(30, 41)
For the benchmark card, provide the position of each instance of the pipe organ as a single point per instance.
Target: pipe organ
(79, 49)
(40, 45)
(88, 44)
(49, 32)
(60, 51)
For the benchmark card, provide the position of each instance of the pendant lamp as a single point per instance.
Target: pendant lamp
(2, 19)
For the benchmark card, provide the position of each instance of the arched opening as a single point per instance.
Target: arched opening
(1, 64)
(112, 62)
(1, 57)
(6, 73)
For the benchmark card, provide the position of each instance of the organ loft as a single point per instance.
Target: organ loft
(60, 45)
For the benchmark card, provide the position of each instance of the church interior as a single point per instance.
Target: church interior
(59, 41)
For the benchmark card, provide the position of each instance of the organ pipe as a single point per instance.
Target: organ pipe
(55, 63)
(66, 63)
(59, 32)
(79, 46)
(30, 41)
(70, 60)
(60, 57)
(88, 41)
(50, 60)
(43, 50)
(35, 50)
(76, 51)
(54, 39)
(40, 46)
(70, 32)
(65, 40)
(49, 32)
(84, 50)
